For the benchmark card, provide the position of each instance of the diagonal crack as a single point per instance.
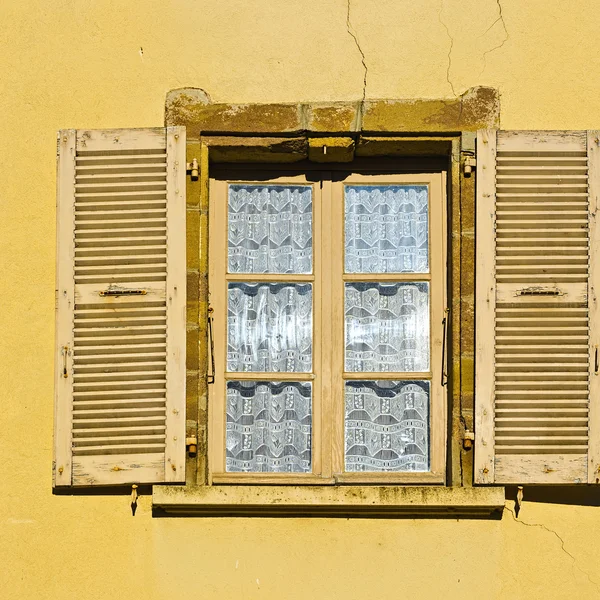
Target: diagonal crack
(362, 54)
(450, 49)
(562, 542)
(506, 36)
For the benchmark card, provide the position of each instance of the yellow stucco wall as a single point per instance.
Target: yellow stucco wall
(103, 63)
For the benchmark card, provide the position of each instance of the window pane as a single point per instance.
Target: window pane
(386, 228)
(387, 426)
(269, 426)
(270, 229)
(269, 327)
(387, 327)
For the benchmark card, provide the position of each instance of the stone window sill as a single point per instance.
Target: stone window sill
(341, 501)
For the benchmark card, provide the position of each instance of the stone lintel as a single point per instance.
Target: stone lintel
(233, 149)
(403, 146)
(477, 108)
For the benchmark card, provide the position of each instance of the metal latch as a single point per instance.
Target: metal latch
(121, 292)
(192, 169)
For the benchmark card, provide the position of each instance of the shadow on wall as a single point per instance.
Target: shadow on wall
(588, 495)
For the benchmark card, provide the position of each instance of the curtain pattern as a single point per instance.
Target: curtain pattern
(386, 229)
(270, 229)
(387, 327)
(268, 426)
(269, 327)
(387, 426)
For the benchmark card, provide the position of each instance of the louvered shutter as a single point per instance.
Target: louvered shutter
(120, 327)
(537, 380)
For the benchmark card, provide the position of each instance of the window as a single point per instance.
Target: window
(362, 384)
(329, 310)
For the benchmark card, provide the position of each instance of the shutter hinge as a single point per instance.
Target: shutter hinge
(192, 169)
(469, 164)
(191, 437)
(468, 438)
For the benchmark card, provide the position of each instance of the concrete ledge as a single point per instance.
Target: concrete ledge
(328, 501)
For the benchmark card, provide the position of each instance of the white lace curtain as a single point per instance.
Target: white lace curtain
(386, 229)
(269, 426)
(387, 426)
(387, 326)
(269, 327)
(270, 229)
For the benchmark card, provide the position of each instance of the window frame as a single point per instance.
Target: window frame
(328, 395)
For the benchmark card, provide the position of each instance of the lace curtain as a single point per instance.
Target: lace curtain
(269, 327)
(387, 327)
(387, 426)
(386, 229)
(268, 426)
(270, 229)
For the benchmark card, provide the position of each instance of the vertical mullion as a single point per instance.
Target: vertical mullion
(218, 301)
(437, 288)
(323, 275)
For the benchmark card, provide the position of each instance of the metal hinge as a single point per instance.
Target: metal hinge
(192, 169)
(470, 164)
(468, 439)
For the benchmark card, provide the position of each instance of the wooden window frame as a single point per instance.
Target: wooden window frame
(328, 376)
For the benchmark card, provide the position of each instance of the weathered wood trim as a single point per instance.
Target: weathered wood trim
(593, 149)
(176, 305)
(540, 468)
(65, 305)
(485, 298)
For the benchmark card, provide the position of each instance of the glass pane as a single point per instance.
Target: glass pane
(387, 326)
(387, 426)
(269, 327)
(386, 229)
(269, 426)
(270, 229)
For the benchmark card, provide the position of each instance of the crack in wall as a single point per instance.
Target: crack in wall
(352, 33)
(562, 543)
(449, 50)
(506, 36)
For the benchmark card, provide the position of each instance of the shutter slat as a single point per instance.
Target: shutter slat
(125, 188)
(533, 206)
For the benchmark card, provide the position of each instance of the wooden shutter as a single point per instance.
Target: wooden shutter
(537, 383)
(120, 312)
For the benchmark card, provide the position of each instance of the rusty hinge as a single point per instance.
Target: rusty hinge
(192, 169)
(191, 437)
(468, 439)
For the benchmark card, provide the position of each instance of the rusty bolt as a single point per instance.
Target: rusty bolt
(485, 470)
